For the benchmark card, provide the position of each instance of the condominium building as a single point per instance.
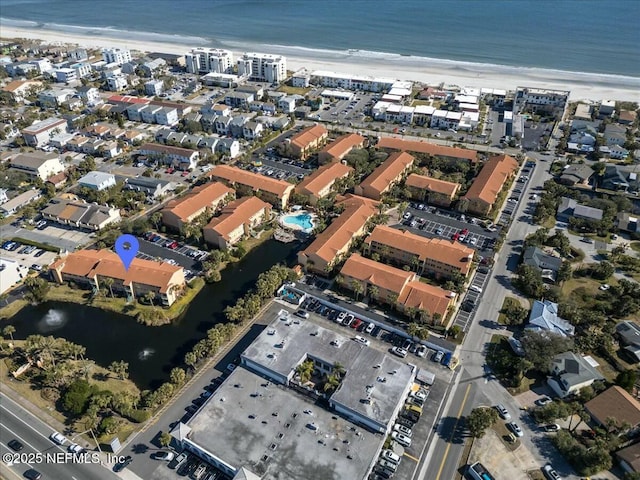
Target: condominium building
(420, 147)
(9, 207)
(37, 164)
(385, 176)
(486, 187)
(103, 269)
(438, 257)
(263, 67)
(334, 242)
(437, 192)
(236, 221)
(182, 211)
(274, 191)
(318, 185)
(116, 55)
(182, 158)
(309, 139)
(352, 82)
(79, 214)
(209, 60)
(40, 133)
(340, 147)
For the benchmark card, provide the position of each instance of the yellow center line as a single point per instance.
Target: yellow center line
(411, 457)
(453, 431)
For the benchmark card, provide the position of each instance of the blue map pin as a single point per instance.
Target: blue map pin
(126, 248)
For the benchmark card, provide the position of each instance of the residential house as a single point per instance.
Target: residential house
(546, 264)
(607, 108)
(89, 95)
(236, 221)
(427, 189)
(58, 181)
(76, 213)
(116, 55)
(40, 133)
(340, 147)
(153, 87)
(10, 207)
(103, 269)
(208, 197)
(570, 373)
(287, 104)
(330, 246)
(629, 334)
(154, 66)
(486, 187)
(544, 318)
(236, 126)
(98, 180)
(615, 152)
(441, 258)
(383, 178)
(17, 90)
(576, 174)
(627, 117)
(37, 164)
(614, 179)
(228, 146)
(615, 135)
(617, 405)
(182, 158)
(628, 222)
(309, 139)
(319, 184)
(274, 191)
(252, 130)
(152, 187)
(419, 147)
(629, 458)
(238, 99)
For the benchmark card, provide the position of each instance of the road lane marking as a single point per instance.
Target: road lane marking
(32, 428)
(411, 457)
(22, 440)
(453, 431)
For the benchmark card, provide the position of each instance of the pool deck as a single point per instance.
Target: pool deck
(295, 226)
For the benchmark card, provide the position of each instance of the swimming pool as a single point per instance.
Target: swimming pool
(299, 221)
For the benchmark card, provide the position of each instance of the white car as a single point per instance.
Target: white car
(401, 439)
(515, 428)
(475, 288)
(362, 340)
(401, 352)
(605, 287)
(369, 328)
(390, 456)
(403, 430)
(550, 473)
(58, 438)
(421, 351)
(503, 412)
(75, 448)
(165, 456)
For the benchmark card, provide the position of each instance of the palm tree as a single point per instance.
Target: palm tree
(374, 291)
(190, 359)
(156, 218)
(120, 369)
(9, 330)
(305, 370)
(392, 299)
(357, 288)
(108, 281)
(149, 296)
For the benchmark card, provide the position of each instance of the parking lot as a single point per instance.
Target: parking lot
(432, 222)
(511, 204)
(60, 236)
(471, 299)
(157, 247)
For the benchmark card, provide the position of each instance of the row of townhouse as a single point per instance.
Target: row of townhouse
(153, 114)
(334, 242)
(225, 146)
(425, 115)
(11, 206)
(399, 288)
(79, 214)
(97, 269)
(240, 126)
(180, 158)
(93, 146)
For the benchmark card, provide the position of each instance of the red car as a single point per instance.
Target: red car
(464, 232)
(173, 245)
(169, 170)
(356, 323)
(455, 236)
(185, 173)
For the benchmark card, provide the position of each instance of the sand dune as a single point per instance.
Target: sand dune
(581, 85)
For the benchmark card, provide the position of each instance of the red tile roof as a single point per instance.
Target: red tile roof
(343, 145)
(235, 214)
(426, 297)
(250, 179)
(432, 184)
(428, 148)
(487, 185)
(308, 136)
(322, 177)
(387, 173)
(197, 199)
(376, 273)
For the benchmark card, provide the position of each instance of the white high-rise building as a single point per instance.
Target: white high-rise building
(207, 60)
(263, 67)
(116, 55)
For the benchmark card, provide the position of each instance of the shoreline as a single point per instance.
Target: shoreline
(583, 86)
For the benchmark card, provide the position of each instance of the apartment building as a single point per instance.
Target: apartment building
(103, 269)
(263, 67)
(308, 140)
(79, 214)
(274, 191)
(385, 176)
(351, 82)
(9, 207)
(18, 89)
(209, 60)
(318, 185)
(211, 196)
(438, 257)
(334, 242)
(236, 221)
(419, 147)
(436, 302)
(98, 180)
(37, 164)
(40, 133)
(434, 191)
(486, 187)
(182, 158)
(340, 147)
(540, 100)
(116, 55)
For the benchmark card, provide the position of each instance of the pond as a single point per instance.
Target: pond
(151, 351)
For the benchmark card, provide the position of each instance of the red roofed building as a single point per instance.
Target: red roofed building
(385, 176)
(309, 139)
(318, 184)
(236, 221)
(180, 212)
(487, 185)
(427, 189)
(340, 147)
(127, 100)
(90, 268)
(449, 153)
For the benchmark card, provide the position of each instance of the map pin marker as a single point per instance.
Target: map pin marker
(126, 248)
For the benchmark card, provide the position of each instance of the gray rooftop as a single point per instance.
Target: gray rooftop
(252, 423)
(281, 351)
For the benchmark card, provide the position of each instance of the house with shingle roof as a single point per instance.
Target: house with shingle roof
(615, 404)
(570, 373)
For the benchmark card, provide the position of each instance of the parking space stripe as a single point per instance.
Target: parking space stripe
(411, 457)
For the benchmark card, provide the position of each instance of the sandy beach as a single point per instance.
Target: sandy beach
(583, 86)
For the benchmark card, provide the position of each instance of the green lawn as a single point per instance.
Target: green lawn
(635, 246)
(508, 302)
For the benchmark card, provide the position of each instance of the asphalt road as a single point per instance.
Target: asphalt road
(39, 451)
(476, 385)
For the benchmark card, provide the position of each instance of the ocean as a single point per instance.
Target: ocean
(578, 36)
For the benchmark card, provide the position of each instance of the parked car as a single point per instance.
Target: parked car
(164, 456)
(515, 428)
(75, 448)
(401, 439)
(369, 328)
(177, 461)
(542, 401)
(550, 473)
(15, 445)
(503, 412)
(58, 438)
(302, 314)
(122, 465)
(390, 456)
(437, 357)
(32, 474)
(403, 429)
(400, 352)
(421, 351)
(552, 427)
